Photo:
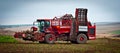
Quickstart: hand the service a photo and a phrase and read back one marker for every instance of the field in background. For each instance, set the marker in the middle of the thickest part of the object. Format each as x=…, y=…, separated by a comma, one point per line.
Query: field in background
x=100, y=45
x=116, y=32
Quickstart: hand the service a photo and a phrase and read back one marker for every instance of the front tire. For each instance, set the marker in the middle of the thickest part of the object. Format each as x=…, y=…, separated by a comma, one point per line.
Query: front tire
x=49, y=38
x=81, y=38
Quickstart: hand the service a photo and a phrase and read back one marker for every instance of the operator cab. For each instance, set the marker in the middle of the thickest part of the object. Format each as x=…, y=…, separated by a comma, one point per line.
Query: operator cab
x=43, y=24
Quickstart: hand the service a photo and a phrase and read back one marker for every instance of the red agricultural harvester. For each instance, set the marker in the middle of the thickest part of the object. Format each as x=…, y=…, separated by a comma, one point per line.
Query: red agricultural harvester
x=66, y=28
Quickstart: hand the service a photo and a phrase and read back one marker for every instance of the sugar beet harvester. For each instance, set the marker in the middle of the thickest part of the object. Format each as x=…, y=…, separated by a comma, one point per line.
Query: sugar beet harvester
x=66, y=28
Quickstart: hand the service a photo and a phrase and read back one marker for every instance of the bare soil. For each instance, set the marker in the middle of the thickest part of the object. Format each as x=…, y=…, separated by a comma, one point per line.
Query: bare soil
x=105, y=30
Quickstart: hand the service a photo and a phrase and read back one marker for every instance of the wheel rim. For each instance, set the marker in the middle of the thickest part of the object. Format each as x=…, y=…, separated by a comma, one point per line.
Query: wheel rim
x=81, y=38
x=50, y=39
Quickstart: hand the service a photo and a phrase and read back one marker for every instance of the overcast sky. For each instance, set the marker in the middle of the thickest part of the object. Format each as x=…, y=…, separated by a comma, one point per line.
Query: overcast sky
x=27, y=11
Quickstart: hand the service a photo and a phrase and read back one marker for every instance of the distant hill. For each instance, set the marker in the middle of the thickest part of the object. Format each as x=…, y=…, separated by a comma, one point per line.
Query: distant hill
x=11, y=26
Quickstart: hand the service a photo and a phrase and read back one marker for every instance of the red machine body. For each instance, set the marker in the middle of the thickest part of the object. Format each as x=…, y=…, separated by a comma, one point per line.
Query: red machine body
x=67, y=28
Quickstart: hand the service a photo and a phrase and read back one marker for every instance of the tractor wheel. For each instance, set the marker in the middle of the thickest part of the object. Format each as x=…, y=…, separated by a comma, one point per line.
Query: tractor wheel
x=49, y=38
x=81, y=38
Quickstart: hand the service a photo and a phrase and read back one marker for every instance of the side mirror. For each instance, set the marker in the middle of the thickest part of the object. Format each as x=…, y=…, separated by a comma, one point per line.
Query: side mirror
x=34, y=23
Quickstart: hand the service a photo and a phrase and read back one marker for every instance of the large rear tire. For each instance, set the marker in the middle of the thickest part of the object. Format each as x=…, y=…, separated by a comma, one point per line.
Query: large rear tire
x=49, y=38
x=81, y=38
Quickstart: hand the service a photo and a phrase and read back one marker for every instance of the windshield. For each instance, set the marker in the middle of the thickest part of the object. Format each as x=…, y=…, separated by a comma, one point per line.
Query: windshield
x=42, y=25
